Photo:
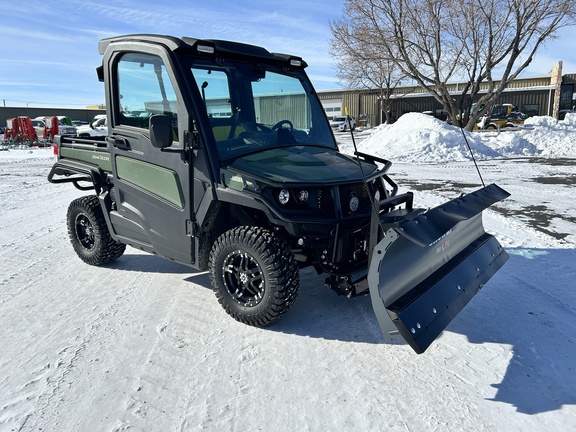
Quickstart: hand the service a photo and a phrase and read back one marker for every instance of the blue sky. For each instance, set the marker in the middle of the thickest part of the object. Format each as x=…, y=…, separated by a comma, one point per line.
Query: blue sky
x=49, y=50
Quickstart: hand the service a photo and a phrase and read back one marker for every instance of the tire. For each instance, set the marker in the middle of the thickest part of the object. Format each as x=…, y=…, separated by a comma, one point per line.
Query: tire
x=254, y=275
x=89, y=233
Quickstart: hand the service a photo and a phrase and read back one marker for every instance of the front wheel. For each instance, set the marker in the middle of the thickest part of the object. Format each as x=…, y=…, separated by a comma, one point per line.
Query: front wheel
x=254, y=275
x=89, y=233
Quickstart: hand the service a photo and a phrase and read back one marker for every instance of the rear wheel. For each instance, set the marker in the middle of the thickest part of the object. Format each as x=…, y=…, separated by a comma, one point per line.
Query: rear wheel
x=254, y=275
x=89, y=233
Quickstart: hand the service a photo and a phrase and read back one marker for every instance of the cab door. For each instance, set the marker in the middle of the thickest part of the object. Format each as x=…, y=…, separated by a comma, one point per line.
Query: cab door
x=151, y=185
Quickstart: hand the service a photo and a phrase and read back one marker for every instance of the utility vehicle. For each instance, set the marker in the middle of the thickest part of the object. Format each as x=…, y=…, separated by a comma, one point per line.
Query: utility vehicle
x=219, y=156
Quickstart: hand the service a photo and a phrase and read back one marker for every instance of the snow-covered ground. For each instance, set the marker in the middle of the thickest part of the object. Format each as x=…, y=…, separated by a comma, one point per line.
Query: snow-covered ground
x=143, y=345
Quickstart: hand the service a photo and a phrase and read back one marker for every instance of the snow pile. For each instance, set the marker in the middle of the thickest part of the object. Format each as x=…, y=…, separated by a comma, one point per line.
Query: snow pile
x=552, y=138
x=422, y=138
x=418, y=137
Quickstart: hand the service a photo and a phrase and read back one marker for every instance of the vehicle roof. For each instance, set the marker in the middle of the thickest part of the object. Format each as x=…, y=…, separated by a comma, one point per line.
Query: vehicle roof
x=225, y=47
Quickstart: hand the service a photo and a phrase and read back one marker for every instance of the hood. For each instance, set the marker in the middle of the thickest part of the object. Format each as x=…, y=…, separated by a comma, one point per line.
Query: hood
x=301, y=164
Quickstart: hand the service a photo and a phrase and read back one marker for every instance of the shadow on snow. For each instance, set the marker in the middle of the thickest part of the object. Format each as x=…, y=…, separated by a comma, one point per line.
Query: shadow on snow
x=530, y=304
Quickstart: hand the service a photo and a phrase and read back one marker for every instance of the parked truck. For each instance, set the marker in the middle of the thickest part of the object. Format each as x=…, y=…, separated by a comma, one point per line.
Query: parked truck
x=219, y=156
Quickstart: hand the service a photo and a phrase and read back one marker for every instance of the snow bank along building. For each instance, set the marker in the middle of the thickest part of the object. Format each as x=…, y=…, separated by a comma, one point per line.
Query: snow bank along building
x=544, y=95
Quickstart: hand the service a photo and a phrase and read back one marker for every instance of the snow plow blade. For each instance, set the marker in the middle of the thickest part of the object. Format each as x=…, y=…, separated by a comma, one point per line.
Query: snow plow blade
x=429, y=266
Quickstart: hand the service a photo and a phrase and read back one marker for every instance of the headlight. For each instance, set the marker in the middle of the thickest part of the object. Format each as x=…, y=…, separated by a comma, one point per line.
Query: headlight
x=354, y=203
x=284, y=196
x=251, y=185
x=303, y=196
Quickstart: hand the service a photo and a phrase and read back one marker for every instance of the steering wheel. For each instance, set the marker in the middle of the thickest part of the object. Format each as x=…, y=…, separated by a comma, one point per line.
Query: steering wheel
x=283, y=122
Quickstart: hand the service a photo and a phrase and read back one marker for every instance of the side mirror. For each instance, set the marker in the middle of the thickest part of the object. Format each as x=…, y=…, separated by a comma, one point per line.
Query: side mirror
x=160, y=130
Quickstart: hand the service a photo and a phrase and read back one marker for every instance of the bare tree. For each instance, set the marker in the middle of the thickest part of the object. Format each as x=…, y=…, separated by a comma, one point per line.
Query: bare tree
x=360, y=68
x=434, y=42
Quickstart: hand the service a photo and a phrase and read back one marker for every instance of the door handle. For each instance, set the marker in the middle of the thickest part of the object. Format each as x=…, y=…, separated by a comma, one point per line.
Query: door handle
x=118, y=142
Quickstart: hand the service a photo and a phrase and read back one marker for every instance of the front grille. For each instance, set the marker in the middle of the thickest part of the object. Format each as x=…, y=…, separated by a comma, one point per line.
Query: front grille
x=358, y=190
x=324, y=200
x=329, y=201
x=319, y=200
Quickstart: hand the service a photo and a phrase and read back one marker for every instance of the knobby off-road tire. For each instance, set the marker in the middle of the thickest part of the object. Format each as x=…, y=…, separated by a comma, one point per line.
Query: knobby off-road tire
x=254, y=275
x=89, y=233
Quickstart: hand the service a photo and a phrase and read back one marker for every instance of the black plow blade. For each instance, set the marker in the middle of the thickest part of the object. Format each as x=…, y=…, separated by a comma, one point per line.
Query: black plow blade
x=426, y=270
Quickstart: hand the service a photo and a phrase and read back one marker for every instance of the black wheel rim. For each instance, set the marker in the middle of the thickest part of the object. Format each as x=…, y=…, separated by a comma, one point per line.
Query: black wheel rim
x=243, y=278
x=85, y=231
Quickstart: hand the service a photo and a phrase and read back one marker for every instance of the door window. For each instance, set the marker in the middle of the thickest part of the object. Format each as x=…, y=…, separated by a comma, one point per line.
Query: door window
x=145, y=89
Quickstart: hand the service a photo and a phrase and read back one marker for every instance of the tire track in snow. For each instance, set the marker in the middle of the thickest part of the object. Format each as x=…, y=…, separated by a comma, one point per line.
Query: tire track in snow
x=21, y=268
x=22, y=225
x=38, y=402
x=178, y=355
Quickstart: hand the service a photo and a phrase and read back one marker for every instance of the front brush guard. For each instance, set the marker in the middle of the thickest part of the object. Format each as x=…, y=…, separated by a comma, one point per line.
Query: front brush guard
x=426, y=269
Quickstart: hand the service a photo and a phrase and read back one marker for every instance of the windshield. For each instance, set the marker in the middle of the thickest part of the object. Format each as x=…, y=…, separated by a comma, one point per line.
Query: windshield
x=251, y=108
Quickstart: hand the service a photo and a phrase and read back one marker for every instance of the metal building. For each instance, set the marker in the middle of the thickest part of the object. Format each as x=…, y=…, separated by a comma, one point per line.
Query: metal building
x=532, y=96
